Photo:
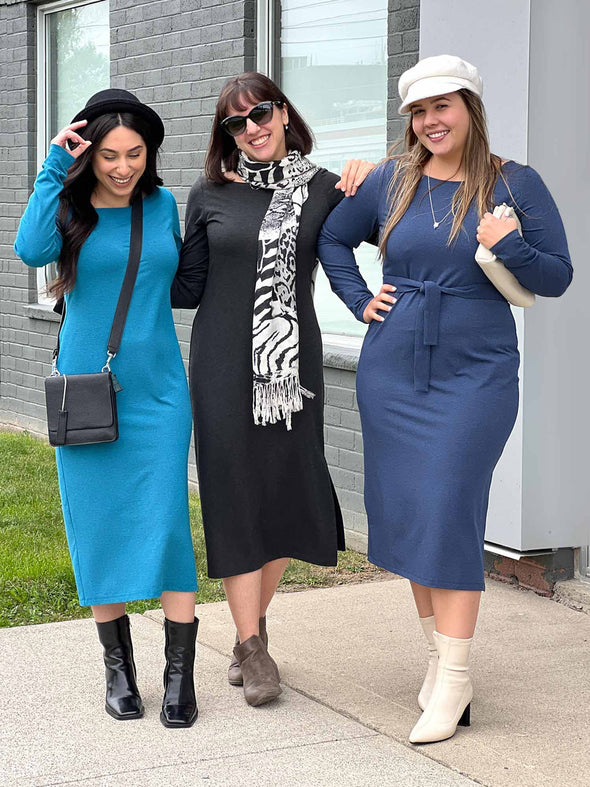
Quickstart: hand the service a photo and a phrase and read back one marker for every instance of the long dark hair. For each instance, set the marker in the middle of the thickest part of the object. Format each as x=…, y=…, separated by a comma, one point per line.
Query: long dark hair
x=76, y=216
x=249, y=87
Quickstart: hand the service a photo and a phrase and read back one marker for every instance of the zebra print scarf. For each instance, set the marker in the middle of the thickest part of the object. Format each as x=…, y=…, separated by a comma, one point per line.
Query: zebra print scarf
x=277, y=393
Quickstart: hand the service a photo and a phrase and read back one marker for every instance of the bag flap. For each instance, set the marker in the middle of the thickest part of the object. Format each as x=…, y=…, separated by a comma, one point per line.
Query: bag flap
x=90, y=400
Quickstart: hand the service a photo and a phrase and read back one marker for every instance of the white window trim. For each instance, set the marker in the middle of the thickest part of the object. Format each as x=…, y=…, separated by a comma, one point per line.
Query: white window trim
x=43, y=134
x=265, y=48
x=265, y=62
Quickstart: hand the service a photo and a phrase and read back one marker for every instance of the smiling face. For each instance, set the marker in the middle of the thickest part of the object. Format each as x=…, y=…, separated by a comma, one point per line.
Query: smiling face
x=265, y=142
x=442, y=125
x=118, y=163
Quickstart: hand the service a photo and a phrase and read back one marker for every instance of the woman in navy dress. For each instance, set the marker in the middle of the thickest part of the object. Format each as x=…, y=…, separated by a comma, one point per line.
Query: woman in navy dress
x=437, y=377
x=125, y=504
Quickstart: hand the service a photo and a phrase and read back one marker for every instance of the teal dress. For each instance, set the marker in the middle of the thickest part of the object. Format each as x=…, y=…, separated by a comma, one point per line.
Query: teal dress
x=125, y=504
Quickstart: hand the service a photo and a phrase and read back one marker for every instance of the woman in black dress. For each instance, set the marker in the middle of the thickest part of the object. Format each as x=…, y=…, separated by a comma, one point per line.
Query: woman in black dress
x=256, y=363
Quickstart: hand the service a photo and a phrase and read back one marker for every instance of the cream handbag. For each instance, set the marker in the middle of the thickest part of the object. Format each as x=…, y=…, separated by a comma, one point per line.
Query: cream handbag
x=502, y=279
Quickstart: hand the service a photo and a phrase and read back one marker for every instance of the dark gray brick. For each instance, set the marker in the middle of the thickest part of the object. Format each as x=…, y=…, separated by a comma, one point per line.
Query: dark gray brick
x=350, y=419
x=344, y=479
x=332, y=415
x=351, y=501
x=339, y=397
x=340, y=438
x=350, y=460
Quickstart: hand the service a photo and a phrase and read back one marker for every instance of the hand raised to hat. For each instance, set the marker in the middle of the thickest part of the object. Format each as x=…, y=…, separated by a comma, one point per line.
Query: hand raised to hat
x=70, y=141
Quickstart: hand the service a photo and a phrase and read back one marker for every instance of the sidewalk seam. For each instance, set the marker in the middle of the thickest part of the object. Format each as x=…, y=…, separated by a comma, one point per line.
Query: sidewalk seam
x=364, y=724
x=233, y=756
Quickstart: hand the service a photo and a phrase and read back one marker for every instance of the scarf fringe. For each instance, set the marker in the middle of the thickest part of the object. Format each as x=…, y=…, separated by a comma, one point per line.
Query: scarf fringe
x=278, y=399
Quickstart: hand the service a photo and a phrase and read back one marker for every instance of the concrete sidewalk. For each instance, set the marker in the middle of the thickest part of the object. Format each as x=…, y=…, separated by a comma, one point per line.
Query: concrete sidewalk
x=353, y=658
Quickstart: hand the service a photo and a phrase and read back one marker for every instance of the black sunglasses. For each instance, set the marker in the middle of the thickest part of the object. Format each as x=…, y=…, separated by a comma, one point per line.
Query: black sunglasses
x=260, y=114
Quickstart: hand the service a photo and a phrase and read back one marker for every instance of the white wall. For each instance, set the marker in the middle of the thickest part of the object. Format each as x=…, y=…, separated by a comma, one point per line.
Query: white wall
x=556, y=462
x=495, y=38
x=535, y=63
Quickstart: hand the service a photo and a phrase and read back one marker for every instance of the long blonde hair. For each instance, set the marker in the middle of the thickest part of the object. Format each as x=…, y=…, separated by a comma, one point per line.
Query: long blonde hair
x=481, y=169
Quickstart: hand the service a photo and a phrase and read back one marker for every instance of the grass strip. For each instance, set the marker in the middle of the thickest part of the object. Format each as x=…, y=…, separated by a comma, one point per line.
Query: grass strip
x=36, y=578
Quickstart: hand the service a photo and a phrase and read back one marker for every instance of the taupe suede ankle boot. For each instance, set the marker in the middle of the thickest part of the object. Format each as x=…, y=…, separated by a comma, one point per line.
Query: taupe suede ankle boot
x=259, y=672
x=234, y=673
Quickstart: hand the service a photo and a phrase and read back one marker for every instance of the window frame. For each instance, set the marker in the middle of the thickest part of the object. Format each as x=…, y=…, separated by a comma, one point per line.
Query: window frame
x=43, y=87
x=267, y=62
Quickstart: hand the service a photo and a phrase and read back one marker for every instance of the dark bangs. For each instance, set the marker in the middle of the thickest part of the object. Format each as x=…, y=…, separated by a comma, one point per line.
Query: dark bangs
x=237, y=93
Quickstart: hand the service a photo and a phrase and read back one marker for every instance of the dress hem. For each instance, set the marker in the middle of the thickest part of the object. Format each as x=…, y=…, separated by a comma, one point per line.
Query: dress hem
x=136, y=596
x=429, y=583
x=260, y=564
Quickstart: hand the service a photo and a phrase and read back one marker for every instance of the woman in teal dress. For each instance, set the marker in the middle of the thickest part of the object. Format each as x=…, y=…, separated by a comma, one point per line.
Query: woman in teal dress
x=125, y=504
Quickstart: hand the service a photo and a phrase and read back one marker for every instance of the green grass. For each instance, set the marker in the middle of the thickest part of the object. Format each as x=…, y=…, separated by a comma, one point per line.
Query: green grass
x=36, y=578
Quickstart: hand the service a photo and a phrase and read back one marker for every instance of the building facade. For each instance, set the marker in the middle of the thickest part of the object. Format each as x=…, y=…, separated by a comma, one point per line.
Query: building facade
x=339, y=63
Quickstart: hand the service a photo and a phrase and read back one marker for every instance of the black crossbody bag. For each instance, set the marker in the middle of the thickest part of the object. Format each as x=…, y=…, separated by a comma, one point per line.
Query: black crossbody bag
x=82, y=408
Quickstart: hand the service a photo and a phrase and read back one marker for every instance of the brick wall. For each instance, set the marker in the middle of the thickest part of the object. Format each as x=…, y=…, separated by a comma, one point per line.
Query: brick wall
x=175, y=55
x=403, y=21
x=24, y=342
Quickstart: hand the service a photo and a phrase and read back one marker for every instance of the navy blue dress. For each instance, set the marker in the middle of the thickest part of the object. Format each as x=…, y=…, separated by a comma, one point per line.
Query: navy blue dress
x=437, y=380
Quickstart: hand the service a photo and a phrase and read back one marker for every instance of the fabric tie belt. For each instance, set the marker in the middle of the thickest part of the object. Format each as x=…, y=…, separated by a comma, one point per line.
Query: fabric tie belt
x=428, y=316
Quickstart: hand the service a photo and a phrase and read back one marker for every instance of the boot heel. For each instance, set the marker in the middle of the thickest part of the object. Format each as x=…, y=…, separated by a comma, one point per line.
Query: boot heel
x=465, y=720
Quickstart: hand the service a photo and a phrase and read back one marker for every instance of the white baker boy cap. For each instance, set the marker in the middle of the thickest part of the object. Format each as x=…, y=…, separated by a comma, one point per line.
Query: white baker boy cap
x=434, y=76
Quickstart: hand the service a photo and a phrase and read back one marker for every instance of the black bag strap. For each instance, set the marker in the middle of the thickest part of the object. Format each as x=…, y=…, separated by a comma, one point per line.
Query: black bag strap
x=120, y=317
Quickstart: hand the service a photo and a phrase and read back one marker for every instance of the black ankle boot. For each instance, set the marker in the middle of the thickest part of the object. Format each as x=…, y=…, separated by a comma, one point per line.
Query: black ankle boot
x=122, y=699
x=179, y=706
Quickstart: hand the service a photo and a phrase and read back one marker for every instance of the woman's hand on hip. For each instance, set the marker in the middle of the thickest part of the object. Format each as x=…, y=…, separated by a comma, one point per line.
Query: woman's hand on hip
x=70, y=141
x=383, y=301
x=354, y=172
x=490, y=229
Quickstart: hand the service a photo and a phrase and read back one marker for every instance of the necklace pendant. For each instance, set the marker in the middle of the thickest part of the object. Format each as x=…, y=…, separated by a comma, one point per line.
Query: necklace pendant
x=435, y=225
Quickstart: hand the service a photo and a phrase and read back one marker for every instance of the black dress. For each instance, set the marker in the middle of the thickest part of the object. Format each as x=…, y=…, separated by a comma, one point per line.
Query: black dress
x=266, y=492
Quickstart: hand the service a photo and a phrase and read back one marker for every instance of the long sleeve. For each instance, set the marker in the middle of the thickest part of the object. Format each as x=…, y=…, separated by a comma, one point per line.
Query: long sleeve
x=176, y=226
x=189, y=283
x=540, y=258
x=39, y=241
x=350, y=223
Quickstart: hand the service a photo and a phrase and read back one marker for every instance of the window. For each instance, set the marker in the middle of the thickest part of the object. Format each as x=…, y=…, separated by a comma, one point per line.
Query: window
x=73, y=56
x=330, y=59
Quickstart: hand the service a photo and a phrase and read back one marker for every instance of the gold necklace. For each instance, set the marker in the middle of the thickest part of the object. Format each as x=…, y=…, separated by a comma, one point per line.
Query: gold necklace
x=436, y=223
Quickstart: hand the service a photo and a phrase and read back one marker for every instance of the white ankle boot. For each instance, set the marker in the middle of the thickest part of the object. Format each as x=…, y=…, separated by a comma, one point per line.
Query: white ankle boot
x=452, y=692
x=428, y=685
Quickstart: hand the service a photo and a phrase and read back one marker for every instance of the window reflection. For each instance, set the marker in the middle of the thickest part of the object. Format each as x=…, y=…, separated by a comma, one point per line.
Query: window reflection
x=78, y=65
x=333, y=60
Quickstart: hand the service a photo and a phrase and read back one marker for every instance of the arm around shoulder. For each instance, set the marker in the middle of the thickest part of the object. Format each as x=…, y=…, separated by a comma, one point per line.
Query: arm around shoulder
x=189, y=283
